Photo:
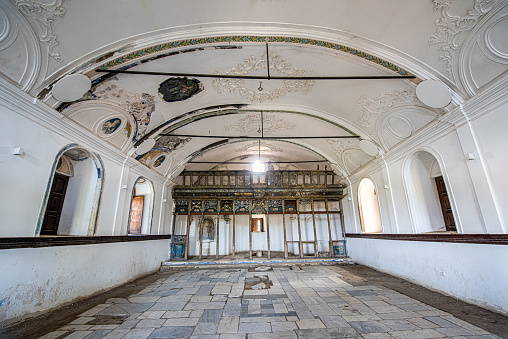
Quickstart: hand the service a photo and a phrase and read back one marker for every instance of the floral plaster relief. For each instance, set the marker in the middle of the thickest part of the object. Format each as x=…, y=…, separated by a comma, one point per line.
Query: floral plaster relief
x=44, y=14
x=450, y=28
x=252, y=124
x=278, y=65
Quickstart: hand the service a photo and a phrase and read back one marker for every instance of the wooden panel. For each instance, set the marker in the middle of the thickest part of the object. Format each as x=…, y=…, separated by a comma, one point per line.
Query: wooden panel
x=55, y=204
x=446, y=208
x=136, y=214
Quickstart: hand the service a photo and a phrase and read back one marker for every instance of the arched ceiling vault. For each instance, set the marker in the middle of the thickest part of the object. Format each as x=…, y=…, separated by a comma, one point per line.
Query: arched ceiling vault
x=323, y=38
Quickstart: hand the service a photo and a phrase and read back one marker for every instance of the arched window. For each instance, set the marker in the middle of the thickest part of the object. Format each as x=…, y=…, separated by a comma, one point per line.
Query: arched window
x=73, y=194
x=140, y=218
x=430, y=205
x=369, y=209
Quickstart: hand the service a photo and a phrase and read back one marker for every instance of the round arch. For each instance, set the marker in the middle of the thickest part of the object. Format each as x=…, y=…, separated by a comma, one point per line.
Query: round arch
x=73, y=193
x=141, y=207
x=369, y=207
x=431, y=202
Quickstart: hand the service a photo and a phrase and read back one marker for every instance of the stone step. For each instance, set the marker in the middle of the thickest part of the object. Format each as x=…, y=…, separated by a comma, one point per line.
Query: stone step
x=256, y=262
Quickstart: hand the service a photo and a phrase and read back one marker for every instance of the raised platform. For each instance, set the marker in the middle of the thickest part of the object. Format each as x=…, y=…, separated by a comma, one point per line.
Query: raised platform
x=257, y=262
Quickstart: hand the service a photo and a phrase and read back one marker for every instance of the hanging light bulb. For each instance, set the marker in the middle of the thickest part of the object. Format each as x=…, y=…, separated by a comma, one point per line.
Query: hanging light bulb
x=258, y=166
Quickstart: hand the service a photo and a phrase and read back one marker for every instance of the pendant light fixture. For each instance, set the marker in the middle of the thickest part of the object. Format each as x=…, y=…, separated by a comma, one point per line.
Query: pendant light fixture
x=259, y=166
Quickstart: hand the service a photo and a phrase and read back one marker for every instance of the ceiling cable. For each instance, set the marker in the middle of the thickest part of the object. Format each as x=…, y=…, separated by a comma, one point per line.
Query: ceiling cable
x=257, y=77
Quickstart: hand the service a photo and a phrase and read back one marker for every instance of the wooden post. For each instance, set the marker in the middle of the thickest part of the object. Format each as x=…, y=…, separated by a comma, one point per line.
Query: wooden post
x=187, y=233
x=342, y=226
x=217, y=230
x=284, y=229
x=316, y=253
x=329, y=229
x=267, y=203
x=234, y=228
x=201, y=231
x=300, y=244
x=250, y=229
x=173, y=229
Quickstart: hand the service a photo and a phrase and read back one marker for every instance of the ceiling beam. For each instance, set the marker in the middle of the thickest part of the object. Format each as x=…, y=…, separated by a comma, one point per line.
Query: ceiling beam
x=250, y=163
x=258, y=77
x=260, y=137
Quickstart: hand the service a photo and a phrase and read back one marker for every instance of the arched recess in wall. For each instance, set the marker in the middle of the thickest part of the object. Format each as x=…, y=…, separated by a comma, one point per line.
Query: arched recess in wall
x=140, y=214
x=73, y=194
x=369, y=208
x=427, y=194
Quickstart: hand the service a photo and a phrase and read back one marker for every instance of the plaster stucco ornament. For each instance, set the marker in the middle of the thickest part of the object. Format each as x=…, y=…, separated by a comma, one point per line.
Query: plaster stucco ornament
x=375, y=108
x=252, y=122
x=44, y=14
x=450, y=27
x=277, y=65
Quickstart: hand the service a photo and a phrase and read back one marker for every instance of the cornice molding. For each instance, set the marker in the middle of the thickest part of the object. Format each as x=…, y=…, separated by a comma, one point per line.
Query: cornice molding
x=25, y=105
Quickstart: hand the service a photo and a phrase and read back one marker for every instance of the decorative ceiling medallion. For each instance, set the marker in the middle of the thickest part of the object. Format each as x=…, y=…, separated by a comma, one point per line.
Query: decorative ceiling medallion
x=376, y=107
x=111, y=125
x=277, y=65
x=159, y=161
x=252, y=124
x=450, y=27
x=177, y=89
x=139, y=105
x=253, y=147
x=44, y=15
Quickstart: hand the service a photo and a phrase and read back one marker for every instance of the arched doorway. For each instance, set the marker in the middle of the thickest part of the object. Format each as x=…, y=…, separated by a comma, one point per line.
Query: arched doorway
x=429, y=201
x=73, y=194
x=140, y=216
x=369, y=208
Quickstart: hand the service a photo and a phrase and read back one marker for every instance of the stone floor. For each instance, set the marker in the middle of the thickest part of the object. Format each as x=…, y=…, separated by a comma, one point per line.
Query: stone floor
x=278, y=302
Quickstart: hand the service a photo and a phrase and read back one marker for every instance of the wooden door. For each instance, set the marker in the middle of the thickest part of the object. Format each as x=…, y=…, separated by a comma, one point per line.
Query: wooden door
x=55, y=204
x=136, y=214
x=445, y=204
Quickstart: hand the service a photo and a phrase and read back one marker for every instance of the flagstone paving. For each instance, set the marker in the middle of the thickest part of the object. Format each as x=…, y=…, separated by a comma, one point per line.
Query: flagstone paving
x=288, y=302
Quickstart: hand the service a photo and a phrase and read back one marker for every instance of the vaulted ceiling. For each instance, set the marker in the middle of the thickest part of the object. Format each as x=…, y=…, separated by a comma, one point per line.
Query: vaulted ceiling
x=442, y=40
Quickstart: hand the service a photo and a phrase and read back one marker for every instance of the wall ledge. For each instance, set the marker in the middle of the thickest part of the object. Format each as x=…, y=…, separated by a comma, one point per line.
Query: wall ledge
x=491, y=239
x=51, y=241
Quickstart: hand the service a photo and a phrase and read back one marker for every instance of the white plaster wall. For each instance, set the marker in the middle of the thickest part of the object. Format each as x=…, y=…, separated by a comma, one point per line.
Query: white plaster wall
x=24, y=178
x=493, y=143
x=476, y=273
x=35, y=283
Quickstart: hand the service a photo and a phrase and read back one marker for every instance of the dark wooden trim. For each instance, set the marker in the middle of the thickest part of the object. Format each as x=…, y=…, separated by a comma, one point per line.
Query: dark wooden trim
x=492, y=239
x=34, y=242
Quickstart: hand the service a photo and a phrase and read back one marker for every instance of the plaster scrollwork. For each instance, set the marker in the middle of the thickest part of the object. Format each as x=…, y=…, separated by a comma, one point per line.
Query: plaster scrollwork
x=450, y=27
x=253, y=147
x=278, y=65
x=139, y=105
x=44, y=15
x=252, y=124
x=375, y=108
x=341, y=145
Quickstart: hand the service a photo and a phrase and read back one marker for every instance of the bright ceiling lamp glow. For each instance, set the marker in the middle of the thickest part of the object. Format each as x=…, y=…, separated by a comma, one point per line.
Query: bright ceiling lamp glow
x=258, y=166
